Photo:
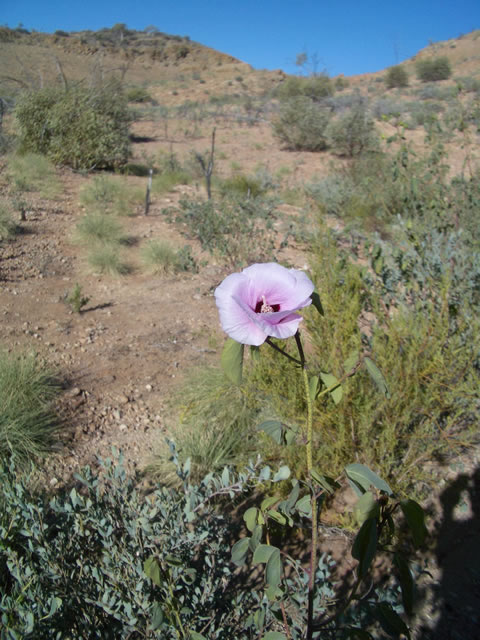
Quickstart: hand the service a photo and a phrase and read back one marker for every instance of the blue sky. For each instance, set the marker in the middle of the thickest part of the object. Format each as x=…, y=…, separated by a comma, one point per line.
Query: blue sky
x=350, y=36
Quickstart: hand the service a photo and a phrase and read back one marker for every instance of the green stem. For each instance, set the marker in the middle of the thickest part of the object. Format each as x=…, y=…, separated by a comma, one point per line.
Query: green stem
x=314, y=543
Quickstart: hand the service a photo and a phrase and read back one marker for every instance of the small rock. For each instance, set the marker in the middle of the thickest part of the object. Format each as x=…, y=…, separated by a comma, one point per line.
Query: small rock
x=123, y=399
x=76, y=391
x=123, y=427
x=148, y=387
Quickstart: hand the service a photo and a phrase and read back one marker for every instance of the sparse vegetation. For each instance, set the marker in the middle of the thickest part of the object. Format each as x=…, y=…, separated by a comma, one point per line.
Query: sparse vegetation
x=159, y=256
x=106, y=259
x=100, y=228
x=76, y=299
x=32, y=172
x=352, y=132
x=8, y=227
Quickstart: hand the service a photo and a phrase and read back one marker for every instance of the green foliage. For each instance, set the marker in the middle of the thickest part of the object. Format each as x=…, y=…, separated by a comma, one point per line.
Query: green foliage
x=32, y=172
x=242, y=185
x=138, y=94
x=160, y=257
x=8, y=227
x=433, y=69
x=108, y=194
x=227, y=227
x=216, y=424
x=352, y=132
x=104, y=561
x=99, y=228
x=396, y=76
x=76, y=299
x=315, y=87
x=301, y=124
x=27, y=420
x=80, y=128
x=106, y=258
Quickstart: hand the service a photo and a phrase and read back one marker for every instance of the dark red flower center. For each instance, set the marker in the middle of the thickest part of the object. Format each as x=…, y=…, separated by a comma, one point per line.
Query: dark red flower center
x=262, y=306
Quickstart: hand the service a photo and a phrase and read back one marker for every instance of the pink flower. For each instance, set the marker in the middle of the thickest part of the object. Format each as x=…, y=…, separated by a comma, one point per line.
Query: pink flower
x=261, y=301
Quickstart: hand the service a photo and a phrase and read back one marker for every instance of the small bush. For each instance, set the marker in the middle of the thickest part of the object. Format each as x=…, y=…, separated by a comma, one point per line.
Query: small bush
x=353, y=132
x=106, y=259
x=33, y=172
x=99, y=227
x=433, y=69
x=77, y=300
x=111, y=195
x=138, y=94
x=28, y=423
x=242, y=185
x=159, y=256
x=314, y=87
x=301, y=125
x=80, y=128
x=396, y=77
x=8, y=227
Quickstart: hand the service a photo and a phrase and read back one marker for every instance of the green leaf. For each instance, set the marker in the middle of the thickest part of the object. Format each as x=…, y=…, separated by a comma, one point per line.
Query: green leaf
x=312, y=387
x=282, y=474
x=268, y=502
x=250, y=518
x=277, y=516
x=196, y=636
x=377, y=376
x=232, y=360
x=290, y=434
x=239, y=551
x=317, y=303
x=273, y=569
x=272, y=428
x=273, y=593
x=363, y=477
x=152, y=570
x=157, y=616
x=365, y=546
x=415, y=517
x=390, y=621
x=256, y=538
x=274, y=635
x=263, y=553
x=173, y=561
x=406, y=582
x=304, y=506
x=329, y=380
x=366, y=507
x=328, y=484
x=351, y=362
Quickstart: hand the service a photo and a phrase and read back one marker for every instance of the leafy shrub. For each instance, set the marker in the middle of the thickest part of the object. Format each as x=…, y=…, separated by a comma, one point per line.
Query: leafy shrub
x=301, y=125
x=81, y=128
x=242, y=185
x=353, y=132
x=315, y=87
x=385, y=107
x=433, y=69
x=27, y=420
x=226, y=228
x=76, y=565
x=396, y=76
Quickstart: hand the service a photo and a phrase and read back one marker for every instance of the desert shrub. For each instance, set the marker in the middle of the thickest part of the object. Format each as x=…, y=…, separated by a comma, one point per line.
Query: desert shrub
x=8, y=227
x=423, y=113
x=138, y=94
x=33, y=172
x=301, y=125
x=242, y=185
x=385, y=107
x=99, y=228
x=353, y=132
x=315, y=87
x=28, y=423
x=106, y=258
x=81, y=128
x=433, y=69
x=111, y=195
x=76, y=565
x=435, y=92
x=396, y=76
x=160, y=257
x=227, y=227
